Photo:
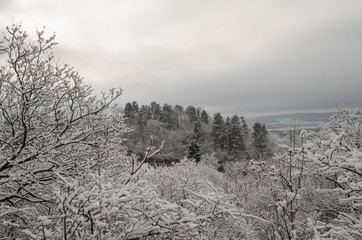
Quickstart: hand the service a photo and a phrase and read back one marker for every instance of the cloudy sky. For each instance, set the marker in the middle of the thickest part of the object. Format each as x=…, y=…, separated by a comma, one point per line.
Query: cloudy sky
x=249, y=57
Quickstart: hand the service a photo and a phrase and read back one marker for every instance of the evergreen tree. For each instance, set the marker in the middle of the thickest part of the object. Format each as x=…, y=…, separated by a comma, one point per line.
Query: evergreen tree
x=226, y=134
x=179, y=108
x=143, y=116
x=197, y=130
x=155, y=111
x=135, y=108
x=217, y=131
x=244, y=127
x=128, y=110
x=260, y=136
x=205, y=117
x=192, y=113
x=194, y=150
x=167, y=115
x=236, y=134
x=131, y=110
x=198, y=112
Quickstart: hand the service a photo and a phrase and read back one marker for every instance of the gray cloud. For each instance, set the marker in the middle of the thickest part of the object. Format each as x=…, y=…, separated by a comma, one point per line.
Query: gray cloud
x=244, y=57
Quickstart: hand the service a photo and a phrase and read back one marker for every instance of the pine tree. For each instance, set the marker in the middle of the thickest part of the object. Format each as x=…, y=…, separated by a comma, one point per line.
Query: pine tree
x=155, y=111
x=143, y=116
x=226, y=134
x=131, y=110
x=244, y=127
x=167, y=115
x=205, y=117
x=217, y=131
x=236, y=135
x=198, y=131
x=194, y=150
x=135, y=108
x=191, y=113
x=260, y=136
x=128, y=110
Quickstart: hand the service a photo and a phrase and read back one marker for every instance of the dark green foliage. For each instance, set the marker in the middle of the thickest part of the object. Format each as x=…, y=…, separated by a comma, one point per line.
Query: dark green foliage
x=217, y=132
x=236, y=135
x=128, y=110
x=131, y=110
x=155, y=110
x=143, y=116
x=178, y=108
x=260, y=136
x=204, y=117
x=197, y=130
x=189, y=132
x=244, y=127
x=167, y=115
x=227, y=134
x=194, y=150
x=135, y=107
x=192, y=113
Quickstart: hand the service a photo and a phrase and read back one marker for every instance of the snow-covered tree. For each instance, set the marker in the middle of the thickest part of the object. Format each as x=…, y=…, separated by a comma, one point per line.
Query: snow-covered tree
x=50, y=125
x=204, y=117
x=337, y=152
x=292, y=175
x=218, y=131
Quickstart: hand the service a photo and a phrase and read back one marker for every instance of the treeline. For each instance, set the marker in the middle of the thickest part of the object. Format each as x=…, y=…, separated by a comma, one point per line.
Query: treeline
x=191, y=132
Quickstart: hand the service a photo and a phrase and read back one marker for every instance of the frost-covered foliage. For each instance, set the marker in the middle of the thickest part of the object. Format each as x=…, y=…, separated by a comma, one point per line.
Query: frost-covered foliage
x=337, y=152
x=320, y=179
x=294, y=178
x=198, y=188
x=50, y=125
x=65, y=174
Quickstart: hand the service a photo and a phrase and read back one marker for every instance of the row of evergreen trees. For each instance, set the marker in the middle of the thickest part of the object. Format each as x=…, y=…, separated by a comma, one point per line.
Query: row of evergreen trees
x=192, y=132
x=172, y=117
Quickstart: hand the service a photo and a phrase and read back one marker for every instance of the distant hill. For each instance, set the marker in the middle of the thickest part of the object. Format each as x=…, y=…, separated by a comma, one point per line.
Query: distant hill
x=286, y=121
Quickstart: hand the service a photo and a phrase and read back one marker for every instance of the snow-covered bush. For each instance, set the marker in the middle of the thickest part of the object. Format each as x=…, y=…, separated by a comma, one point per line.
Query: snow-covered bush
x=337, y=152
x=198, y=188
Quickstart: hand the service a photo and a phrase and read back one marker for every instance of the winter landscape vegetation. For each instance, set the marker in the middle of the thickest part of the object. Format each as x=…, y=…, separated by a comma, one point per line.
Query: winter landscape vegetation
x=73, y=165
x=180, y=120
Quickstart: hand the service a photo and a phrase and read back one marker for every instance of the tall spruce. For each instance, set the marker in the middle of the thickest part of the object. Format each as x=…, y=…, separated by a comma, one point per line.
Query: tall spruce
x=192, y=113
x=167, y=116
x=205, y=117
x=217, y=131
x=236, y=135
x=226, y=134
x=155, y=110
x=194, y=148
x=244, y=127
x=260, y=136
x=128, y=112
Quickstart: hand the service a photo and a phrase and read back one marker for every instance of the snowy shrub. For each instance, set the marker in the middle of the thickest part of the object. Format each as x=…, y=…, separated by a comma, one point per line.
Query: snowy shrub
x=192, y=187
x=337, y=152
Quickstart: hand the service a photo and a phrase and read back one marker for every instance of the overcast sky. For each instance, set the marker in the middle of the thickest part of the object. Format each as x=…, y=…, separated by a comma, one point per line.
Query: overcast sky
x=249, y=57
